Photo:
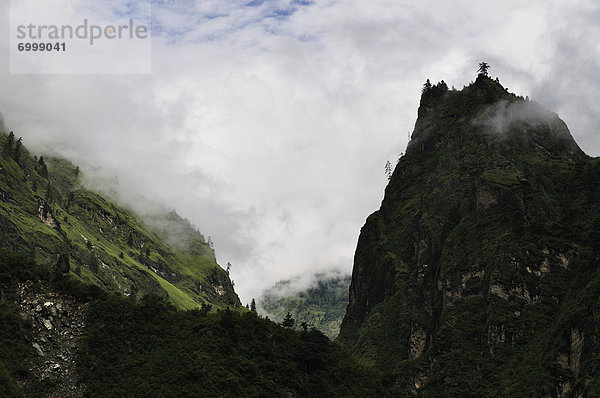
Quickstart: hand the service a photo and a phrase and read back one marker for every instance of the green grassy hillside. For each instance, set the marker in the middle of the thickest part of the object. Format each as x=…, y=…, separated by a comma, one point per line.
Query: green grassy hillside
x=47, y=212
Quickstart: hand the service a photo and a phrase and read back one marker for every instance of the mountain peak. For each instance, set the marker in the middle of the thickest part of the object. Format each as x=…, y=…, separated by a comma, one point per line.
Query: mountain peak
x=483, y=90
x=486, y=240
x=486, y=111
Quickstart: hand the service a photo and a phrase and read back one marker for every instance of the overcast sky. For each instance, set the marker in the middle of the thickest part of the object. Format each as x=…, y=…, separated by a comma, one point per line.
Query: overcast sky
x=268, y=123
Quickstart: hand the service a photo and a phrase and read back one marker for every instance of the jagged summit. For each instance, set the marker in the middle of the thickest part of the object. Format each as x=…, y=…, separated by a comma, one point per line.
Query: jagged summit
x=478, y=274
x=482, y=91
x=490, y=109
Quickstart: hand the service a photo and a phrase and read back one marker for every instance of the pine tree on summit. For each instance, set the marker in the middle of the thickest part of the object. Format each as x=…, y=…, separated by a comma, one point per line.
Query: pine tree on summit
x=427, y=86
x=483, y=68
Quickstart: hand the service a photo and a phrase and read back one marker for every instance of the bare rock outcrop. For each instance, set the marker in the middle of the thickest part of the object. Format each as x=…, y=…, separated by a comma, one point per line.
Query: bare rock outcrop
x=57, y=322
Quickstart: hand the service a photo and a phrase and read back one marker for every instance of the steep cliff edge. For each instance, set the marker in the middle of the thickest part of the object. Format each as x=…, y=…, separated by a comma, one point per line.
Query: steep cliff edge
x=479, y=273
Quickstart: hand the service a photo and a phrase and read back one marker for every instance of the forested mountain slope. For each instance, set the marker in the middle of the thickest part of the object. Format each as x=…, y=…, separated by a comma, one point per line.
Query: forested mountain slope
x=46, y=211
x=62, y=338
x=321, y=306
x=480, y=273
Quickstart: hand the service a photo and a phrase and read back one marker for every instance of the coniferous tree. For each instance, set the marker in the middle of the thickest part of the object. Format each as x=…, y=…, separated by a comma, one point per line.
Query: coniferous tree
x=48, y=192
x=94, y=263
x=388, y=170
x=45, y=211
x=62, y=264
x=253, y=306
x=70, y=199
x=8, y=145
x=130, y=238
x=427, y=85
x=483, y=68
x=42, y=168
x=17, y=151
x=288, y=321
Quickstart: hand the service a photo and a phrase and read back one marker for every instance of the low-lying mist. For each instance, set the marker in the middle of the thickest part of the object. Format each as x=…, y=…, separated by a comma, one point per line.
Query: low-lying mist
x=503, y=115
x=289, y=287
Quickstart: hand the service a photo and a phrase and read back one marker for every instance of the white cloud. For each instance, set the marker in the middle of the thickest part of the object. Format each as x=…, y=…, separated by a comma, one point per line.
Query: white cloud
x=270, y=132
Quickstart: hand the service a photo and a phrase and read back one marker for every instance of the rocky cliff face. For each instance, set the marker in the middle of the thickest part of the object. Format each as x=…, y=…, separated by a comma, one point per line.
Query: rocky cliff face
x=477, y=274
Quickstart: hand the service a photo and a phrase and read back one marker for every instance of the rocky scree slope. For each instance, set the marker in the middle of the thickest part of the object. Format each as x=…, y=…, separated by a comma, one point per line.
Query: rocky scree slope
x=480, y=273
x=57, y=322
